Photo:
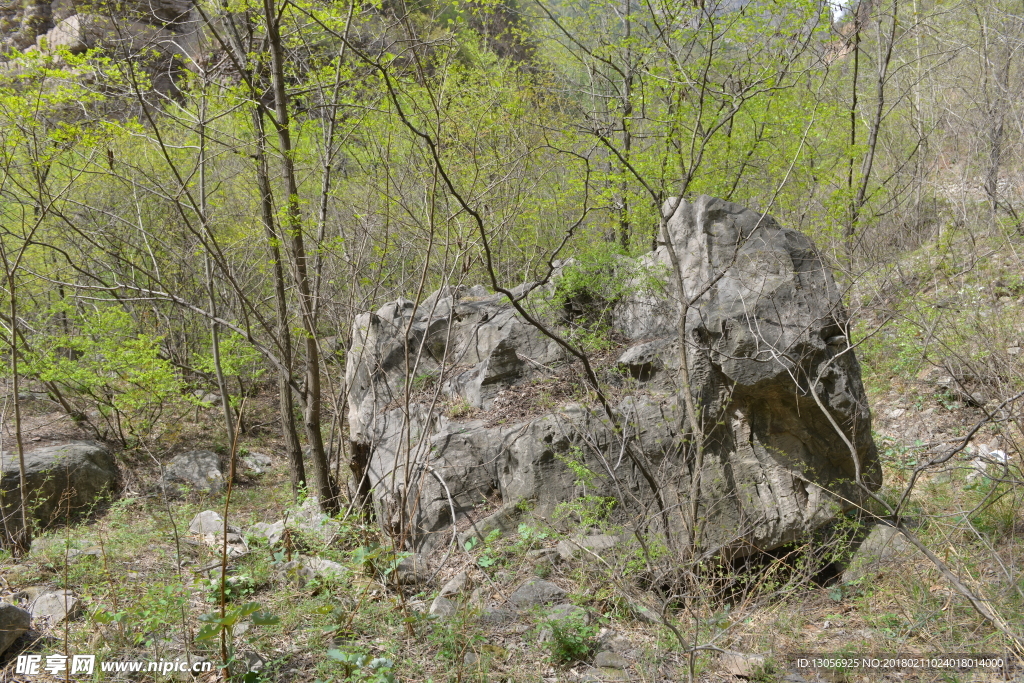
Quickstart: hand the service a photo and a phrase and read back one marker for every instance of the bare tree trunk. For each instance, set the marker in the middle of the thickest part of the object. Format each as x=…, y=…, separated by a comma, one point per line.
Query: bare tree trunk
x=323, y=484
x=284, y=389
x=18, y=540
x=225, y=398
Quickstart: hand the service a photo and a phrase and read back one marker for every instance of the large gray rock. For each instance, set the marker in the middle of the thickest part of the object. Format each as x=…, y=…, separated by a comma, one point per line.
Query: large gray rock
x=765, y=335
x=536, y=592
x=197, y=469
x=61, y=480
x=14, y=621
x=51, y=608
x=883, y=546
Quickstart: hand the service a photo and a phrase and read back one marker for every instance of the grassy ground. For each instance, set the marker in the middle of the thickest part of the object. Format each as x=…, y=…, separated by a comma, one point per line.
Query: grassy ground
x=941, y=352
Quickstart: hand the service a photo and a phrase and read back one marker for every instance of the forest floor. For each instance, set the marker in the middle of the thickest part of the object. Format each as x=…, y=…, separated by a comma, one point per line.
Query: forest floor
x=150, y=591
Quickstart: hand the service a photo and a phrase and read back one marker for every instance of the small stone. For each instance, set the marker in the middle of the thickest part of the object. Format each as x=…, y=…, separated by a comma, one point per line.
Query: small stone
x=604, y=675
x=14, y=621
x=496, y=617
x=1013, y=350
x=570, y=548
x=54, y=607
x=740, y=664
x=413, y=570
x=198, y=469
x=610, y=660
x=644, y=613
x=455, y=585
x=536, y=592
x=442, y=607
x=569, y=614
x=208, y=522
x=271, y=533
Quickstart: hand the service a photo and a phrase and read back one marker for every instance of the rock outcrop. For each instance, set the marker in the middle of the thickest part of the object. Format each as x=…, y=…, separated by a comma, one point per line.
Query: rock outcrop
x=61, y=480
x=23, y=23
x=436, y=392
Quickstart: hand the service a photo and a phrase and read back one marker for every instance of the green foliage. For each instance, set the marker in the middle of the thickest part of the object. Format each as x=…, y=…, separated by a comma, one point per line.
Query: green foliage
x=362, y=668
x=377, y=560
x=105, y=365
x=587, y=509
x=588, y=288
x=157, y=609
x=572, y=640
x=488, y=556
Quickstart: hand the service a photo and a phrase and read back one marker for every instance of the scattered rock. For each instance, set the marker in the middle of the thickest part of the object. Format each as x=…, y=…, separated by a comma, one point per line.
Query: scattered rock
x=257, y=463
x=270, y=533
x=568, y=614
x=644, y=613
x=491, y=616
x=14, y=621
x=504, y=520
x=610, y=660
x=455, y=585
x=569, y=548
x=883, y=545
x=304, y=569
x=604, y=675
x=536, y=592
x=199, y=469
x=413, y=570
x=51, y=608
x=442, y=607
x=61, y=481
x=740, y=664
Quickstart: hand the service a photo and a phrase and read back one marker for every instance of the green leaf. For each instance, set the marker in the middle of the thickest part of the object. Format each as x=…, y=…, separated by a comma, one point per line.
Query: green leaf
x=265, y=619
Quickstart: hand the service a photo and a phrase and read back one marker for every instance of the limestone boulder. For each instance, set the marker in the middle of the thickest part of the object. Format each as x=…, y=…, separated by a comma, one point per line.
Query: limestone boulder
x=14, y=622
x=770, y=368
x=62, y=481
x=200, y=470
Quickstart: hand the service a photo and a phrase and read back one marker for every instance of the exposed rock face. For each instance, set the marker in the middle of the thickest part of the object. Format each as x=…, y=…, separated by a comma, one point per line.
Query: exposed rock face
x=14, y=621
x=198, y=469
x=159, y=34
x=61, y=480
x=21, y=23
x=765, y=328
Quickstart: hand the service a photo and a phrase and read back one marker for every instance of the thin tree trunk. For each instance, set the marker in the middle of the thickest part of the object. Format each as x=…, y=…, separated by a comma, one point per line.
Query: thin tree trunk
x=20, y=539
x=323, y=483
x=210, y=290
x=284, y=389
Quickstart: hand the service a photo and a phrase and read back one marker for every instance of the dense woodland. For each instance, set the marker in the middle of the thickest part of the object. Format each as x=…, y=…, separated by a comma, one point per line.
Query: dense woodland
x=176, y=224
